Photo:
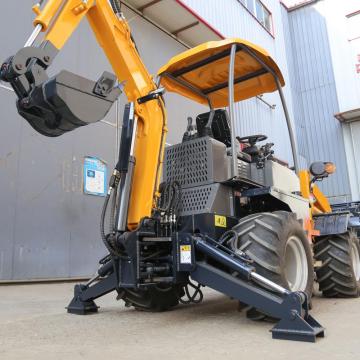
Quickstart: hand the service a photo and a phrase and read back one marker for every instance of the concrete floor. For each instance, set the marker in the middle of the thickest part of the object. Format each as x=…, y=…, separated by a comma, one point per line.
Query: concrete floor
x=34, y=325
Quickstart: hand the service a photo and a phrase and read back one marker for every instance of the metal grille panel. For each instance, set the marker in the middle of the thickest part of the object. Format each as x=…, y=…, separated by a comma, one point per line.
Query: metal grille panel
x=188, y=163
x=195, y=200
x=213, y=198
x=243, y=169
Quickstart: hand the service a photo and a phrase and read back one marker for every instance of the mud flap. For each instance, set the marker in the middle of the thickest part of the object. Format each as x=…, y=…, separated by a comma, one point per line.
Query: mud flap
x=332, y=223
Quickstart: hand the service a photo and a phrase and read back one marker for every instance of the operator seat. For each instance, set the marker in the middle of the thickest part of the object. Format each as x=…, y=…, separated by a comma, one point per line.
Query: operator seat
x=220, y=130
x=219, y=126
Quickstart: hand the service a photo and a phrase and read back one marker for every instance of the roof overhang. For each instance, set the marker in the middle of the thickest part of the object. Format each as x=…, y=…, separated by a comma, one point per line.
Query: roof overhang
x=292, y=5
x=348, y=116
x=176, y=19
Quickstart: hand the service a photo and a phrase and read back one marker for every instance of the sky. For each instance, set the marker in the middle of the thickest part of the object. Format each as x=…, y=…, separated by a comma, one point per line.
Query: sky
x=350, y=5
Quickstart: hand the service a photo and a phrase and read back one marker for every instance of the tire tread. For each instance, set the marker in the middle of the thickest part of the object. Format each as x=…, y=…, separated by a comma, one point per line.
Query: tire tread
x=335, y=253
x=263, y=237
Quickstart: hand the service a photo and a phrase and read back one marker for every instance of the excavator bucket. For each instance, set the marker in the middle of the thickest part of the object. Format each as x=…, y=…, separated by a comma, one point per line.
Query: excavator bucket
x=56, y=105
x=66, y=102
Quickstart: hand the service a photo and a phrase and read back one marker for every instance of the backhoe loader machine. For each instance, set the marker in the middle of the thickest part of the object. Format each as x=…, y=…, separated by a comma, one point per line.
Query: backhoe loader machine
x=228, y=214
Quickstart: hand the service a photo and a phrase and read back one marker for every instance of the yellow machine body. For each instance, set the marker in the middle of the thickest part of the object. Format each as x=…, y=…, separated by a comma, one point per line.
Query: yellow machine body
x=318, y=201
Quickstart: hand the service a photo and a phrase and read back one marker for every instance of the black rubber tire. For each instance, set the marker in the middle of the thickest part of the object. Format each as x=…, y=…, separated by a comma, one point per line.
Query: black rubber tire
x=336, y=276
x=154, y=299
x=263, y=237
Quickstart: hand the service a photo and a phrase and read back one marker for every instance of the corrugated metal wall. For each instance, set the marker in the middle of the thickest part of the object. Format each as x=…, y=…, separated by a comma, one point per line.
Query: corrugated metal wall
x=49, y=228
x=314, y=93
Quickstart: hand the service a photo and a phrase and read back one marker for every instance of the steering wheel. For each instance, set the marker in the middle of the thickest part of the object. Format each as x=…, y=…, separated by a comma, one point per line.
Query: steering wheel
x=252, y=140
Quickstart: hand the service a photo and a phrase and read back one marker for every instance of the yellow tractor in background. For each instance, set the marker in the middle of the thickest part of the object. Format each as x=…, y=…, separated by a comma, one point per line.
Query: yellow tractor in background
x=226, y=213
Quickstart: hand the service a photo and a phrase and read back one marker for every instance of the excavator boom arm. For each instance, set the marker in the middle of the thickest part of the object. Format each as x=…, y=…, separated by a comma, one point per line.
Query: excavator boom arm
x=63, y=103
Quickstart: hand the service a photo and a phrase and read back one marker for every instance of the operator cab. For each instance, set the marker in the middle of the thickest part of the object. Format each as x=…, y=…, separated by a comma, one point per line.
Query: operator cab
x=219, y=74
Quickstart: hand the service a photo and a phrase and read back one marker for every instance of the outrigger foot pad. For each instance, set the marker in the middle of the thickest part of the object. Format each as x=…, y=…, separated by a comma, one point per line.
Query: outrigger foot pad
x=81, y=307
x=298, y=328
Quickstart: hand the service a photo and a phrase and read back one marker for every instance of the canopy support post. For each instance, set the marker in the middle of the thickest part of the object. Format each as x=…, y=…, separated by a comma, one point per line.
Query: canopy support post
x=289, y=126
x=286, y=111
x=232, y=110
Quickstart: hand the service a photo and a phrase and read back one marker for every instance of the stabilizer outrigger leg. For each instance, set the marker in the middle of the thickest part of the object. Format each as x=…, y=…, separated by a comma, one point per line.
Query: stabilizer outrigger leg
x=79, y=305
x=291, y=308
x=84, y=294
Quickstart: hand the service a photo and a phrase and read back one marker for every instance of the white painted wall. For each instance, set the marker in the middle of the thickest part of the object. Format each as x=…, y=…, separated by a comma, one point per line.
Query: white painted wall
x=343, y=52
x=344, y=42
x=351, y=132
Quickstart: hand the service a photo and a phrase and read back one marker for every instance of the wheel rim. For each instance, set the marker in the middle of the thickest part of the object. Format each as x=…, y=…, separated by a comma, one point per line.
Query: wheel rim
x=296, y=266
x=355, y=258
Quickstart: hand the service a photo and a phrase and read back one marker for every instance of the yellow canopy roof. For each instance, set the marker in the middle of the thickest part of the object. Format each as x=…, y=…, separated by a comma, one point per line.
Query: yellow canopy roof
x=206, y=69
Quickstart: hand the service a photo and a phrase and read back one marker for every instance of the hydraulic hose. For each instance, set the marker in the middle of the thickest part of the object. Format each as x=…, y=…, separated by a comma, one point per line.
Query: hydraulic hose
x=170, y=197
x=113, y=210
x=102, y=222
x=112, y=194
x=116, y=6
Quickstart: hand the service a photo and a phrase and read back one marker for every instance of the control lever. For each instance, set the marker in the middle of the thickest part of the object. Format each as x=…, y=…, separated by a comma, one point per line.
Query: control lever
x=191, y=130
x=265, y=153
